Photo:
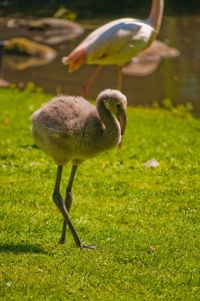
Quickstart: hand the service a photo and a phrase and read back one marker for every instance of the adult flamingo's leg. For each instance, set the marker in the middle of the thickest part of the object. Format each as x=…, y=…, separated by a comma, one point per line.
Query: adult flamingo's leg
x=87, y=84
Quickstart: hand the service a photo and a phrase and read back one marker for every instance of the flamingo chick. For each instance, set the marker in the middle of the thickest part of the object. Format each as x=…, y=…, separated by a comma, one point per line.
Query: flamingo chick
x=69, y=128
x=116, y=43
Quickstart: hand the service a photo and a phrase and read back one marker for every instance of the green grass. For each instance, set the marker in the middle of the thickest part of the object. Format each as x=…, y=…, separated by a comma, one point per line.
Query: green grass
x=145, y=221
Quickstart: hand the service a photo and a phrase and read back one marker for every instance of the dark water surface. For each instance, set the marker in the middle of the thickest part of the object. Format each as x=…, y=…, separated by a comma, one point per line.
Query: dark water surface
x=177, y=78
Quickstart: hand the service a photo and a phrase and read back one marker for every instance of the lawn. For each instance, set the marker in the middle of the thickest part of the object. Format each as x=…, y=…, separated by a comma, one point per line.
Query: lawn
x=145, y=221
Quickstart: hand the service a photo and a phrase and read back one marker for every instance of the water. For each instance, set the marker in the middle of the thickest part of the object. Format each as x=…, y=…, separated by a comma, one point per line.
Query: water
x=177, y=78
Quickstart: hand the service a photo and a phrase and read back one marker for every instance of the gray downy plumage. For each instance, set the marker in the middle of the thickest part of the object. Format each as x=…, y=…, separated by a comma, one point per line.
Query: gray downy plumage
x=69, y=128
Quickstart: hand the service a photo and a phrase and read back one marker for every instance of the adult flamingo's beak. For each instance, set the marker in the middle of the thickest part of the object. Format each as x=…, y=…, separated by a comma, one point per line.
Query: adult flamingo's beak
x=76, y=59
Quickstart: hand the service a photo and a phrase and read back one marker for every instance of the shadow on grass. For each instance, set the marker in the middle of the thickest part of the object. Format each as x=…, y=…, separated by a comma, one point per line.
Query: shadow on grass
x=21, y=248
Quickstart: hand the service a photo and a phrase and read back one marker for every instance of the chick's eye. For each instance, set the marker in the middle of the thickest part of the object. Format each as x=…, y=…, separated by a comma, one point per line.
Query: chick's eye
x=118, y=106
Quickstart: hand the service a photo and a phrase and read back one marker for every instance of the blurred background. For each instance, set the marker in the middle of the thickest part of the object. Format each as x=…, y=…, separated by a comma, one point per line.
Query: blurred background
x=55, y=27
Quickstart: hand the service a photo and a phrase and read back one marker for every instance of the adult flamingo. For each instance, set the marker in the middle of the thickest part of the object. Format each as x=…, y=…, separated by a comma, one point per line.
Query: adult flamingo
x=116, y=43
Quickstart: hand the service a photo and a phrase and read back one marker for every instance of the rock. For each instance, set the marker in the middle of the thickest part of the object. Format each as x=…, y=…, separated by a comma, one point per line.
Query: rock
x=149, y=60
x=55, y=31
x=35, y=54
x=152, y=163
x=4, y=83
x=50, y=30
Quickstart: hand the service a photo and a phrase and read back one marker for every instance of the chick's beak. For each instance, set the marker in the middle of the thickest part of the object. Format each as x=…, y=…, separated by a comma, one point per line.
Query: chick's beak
x=121, y=116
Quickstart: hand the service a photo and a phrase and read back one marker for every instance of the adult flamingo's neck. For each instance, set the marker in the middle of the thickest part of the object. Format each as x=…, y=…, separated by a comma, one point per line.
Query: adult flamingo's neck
x=156, y=14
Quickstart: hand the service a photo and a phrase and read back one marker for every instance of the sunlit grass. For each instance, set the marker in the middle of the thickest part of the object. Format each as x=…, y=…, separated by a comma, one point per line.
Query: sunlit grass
x=144, y=221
